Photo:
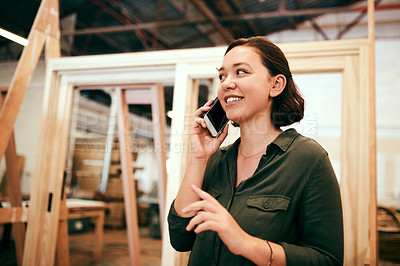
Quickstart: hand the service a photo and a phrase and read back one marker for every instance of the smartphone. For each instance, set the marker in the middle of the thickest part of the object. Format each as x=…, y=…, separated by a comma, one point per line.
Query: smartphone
x=215, y=119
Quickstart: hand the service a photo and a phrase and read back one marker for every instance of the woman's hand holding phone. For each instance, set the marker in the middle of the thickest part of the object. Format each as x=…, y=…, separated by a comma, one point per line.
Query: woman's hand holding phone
x=203, y=145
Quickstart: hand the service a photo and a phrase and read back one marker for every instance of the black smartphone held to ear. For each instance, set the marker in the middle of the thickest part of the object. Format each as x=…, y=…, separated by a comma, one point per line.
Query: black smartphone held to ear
x=216, y=119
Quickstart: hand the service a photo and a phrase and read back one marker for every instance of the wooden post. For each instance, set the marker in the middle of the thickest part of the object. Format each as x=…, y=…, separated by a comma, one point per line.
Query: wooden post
x=373, y=216
x=46, y=189
x=141, y=94
x=62, y=250
x=185, y=91
x=128, y=181
x=160, y=145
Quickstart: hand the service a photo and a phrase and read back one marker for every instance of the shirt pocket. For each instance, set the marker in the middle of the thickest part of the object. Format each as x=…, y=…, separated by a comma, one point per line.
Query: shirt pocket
x=271, y=203
x=215, y=194
x=267, y=214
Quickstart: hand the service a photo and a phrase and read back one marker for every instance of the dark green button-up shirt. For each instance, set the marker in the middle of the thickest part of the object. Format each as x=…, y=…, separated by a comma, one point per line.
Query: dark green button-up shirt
x=292, y=199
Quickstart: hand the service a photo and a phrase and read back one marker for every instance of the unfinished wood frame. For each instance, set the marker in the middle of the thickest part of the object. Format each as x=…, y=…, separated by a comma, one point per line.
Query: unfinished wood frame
x=184, y=68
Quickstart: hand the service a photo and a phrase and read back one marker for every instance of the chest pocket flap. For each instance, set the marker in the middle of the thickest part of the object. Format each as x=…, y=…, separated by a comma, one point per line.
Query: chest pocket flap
x=269, y=203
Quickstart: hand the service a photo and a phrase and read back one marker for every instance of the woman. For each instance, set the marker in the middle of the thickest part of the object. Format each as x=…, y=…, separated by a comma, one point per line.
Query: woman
x=270, y=198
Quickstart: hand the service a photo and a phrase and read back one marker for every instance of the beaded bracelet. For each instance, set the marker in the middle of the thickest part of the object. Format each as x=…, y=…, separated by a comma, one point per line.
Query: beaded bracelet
x=271, y=258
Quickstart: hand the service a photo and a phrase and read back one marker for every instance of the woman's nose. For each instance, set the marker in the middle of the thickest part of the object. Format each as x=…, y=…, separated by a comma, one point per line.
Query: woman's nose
x=228, y=83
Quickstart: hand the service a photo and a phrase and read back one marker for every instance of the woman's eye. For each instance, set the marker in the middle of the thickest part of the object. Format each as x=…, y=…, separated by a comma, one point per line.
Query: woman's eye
x=239, y=72
x=221, y=77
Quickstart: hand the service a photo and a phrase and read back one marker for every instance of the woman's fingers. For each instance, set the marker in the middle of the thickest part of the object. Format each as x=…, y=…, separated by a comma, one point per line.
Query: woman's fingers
x=204, y=108
x=204, y=195
x=202, y=205
x=200, y=121
x=199, y=218
x=209, y=225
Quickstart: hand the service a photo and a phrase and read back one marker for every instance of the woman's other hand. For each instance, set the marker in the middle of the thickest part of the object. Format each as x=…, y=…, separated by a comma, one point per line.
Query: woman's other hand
x=211, y=215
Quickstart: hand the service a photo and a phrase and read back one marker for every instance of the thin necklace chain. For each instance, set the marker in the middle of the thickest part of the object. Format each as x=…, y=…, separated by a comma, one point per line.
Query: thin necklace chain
x=247, y=157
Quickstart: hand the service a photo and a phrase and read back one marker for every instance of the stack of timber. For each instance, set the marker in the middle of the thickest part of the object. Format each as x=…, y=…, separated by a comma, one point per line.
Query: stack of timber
x=88, y=164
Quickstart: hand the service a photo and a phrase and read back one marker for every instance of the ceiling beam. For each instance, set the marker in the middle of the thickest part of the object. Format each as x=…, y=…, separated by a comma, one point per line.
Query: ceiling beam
x=355, y=21
x=247, y=16
x=160, y=40
x=201, y=28
x=106, y=39
x=123, y=20
x=202, y=7
x=251, y=24
x=318, y=29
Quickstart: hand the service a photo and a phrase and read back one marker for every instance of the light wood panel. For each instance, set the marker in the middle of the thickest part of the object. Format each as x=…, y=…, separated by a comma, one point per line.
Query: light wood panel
x=373, y=256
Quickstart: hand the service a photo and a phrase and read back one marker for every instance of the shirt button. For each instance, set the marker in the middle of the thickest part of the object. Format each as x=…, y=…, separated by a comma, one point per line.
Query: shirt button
x=266, y=206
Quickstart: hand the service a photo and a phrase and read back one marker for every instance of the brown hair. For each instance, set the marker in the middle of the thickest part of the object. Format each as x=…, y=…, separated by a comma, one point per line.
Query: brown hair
x=287, y=107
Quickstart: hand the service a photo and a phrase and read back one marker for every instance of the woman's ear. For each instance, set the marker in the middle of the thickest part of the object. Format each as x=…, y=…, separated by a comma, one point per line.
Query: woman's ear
x=279, y=84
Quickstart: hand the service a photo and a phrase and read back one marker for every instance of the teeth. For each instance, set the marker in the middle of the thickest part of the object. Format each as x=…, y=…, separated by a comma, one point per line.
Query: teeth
x=233, y=99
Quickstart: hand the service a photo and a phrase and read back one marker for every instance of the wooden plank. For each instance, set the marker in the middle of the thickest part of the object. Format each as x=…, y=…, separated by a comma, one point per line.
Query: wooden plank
x=160, y=144
x=14, y=185
x=14, y=215
x=62, y=250
x=183, y=104
x=99, y=233
x=134, y=96
x=45, y=199
x=127, y=178
x=354, y=161
x=373, y=216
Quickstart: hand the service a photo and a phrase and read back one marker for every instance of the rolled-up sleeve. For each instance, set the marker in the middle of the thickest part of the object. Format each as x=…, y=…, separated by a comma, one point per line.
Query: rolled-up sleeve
x=181, y=240
x=320, y=222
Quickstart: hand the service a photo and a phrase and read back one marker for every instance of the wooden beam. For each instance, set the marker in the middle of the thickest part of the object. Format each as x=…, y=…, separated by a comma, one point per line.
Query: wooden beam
x=129, y=190
x=160, y=144
x=14, y=185
x=121, y=19
x=318, y=29
x=46, y=191
x=202, y=7
x=165, y=42
x=373, y=216
x=251, y=24
x=14, y=215
x=357, y=20
x=204, y=31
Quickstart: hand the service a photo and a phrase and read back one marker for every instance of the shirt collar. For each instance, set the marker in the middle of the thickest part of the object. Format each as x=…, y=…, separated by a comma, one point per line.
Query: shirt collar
x=285, y=139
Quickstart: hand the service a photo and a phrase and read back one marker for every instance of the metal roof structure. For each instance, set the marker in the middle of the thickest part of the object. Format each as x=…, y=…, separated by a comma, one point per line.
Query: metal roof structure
x=115, y=26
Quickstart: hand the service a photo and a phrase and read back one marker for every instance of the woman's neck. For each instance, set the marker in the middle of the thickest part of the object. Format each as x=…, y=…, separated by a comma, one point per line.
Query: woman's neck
x=254, y=136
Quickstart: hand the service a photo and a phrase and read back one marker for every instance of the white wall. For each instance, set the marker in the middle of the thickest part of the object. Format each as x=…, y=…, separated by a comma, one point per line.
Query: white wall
x=27, y=125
